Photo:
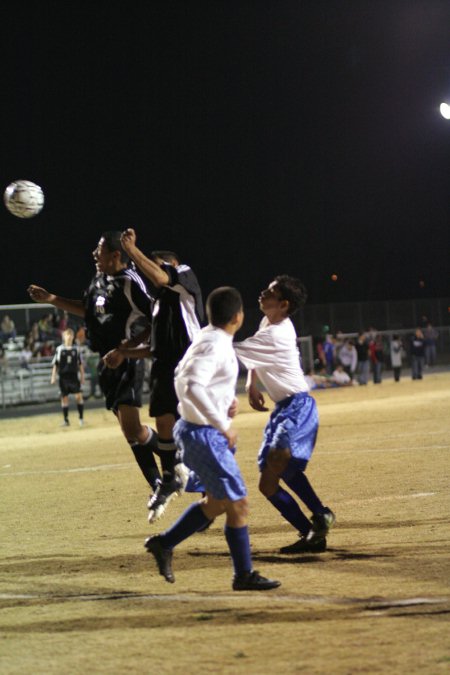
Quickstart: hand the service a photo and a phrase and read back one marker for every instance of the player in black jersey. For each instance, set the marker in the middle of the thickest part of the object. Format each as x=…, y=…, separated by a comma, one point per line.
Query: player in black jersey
x=177, y=317
x=68, y=366
x=115, y=299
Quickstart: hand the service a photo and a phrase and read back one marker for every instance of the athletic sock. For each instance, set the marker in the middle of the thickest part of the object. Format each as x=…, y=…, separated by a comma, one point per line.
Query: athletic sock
x=80, y=407
x=65, y=411
x=239, y=544
x=145, y=458
x=300, y=484
x=186, y=525
x=167, y=451
x=290, y=510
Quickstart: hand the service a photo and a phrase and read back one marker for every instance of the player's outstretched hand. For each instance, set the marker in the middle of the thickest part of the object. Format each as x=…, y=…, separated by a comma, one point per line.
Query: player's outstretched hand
x=39, y=294
x=231, y=436
x=256, y=399
x=128, y=239
x=113, y=358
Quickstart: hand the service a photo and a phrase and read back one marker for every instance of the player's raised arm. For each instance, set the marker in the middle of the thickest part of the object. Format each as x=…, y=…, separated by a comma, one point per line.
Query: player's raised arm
x=150, y=269
x=39, y=294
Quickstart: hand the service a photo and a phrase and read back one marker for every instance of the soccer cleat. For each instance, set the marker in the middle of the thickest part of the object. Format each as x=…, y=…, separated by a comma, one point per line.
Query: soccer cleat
x=253, y=581
x=163, y=557
x=321, y=525
x=164, y=493
x=303, y=545
x=181, y=472
x=81, y=423
x=66, y=423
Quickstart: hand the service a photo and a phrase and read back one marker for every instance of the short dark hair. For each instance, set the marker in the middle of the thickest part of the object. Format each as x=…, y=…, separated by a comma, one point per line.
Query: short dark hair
x=292, y=290
x=167, y=256
x=112, y=243
x=222, y=304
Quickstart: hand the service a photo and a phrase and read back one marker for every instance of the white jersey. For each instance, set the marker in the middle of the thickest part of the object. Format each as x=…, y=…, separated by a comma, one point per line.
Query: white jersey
x=205, y=379
x=273, y=353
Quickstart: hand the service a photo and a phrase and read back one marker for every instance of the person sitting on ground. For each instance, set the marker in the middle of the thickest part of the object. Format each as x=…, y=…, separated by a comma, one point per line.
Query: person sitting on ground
x=340, y=377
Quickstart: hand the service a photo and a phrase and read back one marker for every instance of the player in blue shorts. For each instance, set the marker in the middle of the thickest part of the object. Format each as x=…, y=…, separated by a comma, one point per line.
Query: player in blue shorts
x=271, y=356
x=205, y=381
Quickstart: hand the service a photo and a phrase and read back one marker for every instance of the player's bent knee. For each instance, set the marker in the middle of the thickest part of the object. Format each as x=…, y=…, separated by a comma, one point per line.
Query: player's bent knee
x=278, y=460
x=268, y=482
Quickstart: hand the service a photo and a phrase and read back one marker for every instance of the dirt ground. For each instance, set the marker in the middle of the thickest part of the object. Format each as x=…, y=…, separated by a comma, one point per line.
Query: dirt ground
x=79, y=594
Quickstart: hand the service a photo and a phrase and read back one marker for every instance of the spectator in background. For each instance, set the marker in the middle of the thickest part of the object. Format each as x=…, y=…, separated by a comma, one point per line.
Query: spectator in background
x=376, y=353
x=417, y=354
x=45, y=326
x=340, y=377
x=63, y=323
x=47, y=349
x=396, y=356
x=7, y=329
x=430, y=335
x=362, y=351
x=320, y=353
x=329, y=351
x=34, y=333
x=348, y=358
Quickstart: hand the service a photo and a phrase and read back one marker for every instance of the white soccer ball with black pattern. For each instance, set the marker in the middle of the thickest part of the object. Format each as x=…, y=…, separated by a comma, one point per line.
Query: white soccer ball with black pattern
x=24, y=199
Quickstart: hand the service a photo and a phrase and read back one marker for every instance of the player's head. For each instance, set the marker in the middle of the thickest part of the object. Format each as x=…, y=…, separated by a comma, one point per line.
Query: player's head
x=165, y=256
x=68, y=336
x=224, y=308
x=284, y=296
x=109, y=254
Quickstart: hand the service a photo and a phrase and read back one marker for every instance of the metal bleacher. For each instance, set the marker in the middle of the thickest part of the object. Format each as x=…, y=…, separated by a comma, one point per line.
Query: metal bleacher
x=30, y=384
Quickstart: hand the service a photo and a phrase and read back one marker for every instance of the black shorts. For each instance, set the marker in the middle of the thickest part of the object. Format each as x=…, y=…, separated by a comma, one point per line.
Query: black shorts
x=122, y=385
x=163, y=399
x=69, y=384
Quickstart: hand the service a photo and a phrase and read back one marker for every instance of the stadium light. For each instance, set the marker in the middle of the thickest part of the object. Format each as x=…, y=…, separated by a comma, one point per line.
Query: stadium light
x=445, y=110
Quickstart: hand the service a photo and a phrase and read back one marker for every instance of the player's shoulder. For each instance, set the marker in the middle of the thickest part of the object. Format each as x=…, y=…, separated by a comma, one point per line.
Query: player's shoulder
x=135, y=278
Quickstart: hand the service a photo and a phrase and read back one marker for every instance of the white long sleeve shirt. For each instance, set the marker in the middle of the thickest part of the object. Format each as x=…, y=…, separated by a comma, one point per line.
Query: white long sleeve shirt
x=205, y=379
x=273, y=353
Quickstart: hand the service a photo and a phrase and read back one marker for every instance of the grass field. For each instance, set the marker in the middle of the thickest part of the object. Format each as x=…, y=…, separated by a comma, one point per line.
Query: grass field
x=79, y=594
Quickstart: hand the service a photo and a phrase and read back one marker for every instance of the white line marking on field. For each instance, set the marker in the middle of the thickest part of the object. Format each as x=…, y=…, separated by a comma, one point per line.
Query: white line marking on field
x=355, y=439
x=386, y=450
x=388, y=498
x=192, y=597
x=81, y=469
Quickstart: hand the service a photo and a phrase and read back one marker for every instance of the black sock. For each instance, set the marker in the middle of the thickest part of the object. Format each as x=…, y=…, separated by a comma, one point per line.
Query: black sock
x=303, y=489
x=65, y=411
x=167, y=453
x=80, y=407
x=147, y=464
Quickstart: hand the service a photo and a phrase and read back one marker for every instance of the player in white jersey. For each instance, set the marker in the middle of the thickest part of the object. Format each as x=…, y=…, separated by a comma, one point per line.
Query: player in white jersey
x=68, y=366
x=205, y=381
x=271, y=356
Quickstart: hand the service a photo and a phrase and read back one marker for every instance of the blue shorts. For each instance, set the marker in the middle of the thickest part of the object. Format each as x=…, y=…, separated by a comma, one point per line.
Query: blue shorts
x=293, y=424
x=205, y=451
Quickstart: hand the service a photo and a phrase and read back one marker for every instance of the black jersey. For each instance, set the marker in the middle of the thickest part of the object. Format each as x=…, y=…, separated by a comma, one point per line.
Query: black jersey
x=177, y=314
x=67, y=360
x=114, y=304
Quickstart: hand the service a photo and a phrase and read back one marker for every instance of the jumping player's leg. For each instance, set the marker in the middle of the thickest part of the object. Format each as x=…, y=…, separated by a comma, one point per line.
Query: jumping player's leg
x=142, y=440
x=163, y=406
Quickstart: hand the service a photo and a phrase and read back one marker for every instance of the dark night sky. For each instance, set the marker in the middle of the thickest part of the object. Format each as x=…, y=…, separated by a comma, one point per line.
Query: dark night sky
x=255, y=138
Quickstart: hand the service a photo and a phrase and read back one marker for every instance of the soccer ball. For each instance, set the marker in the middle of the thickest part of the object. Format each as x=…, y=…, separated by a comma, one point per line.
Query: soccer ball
x=23, y=198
